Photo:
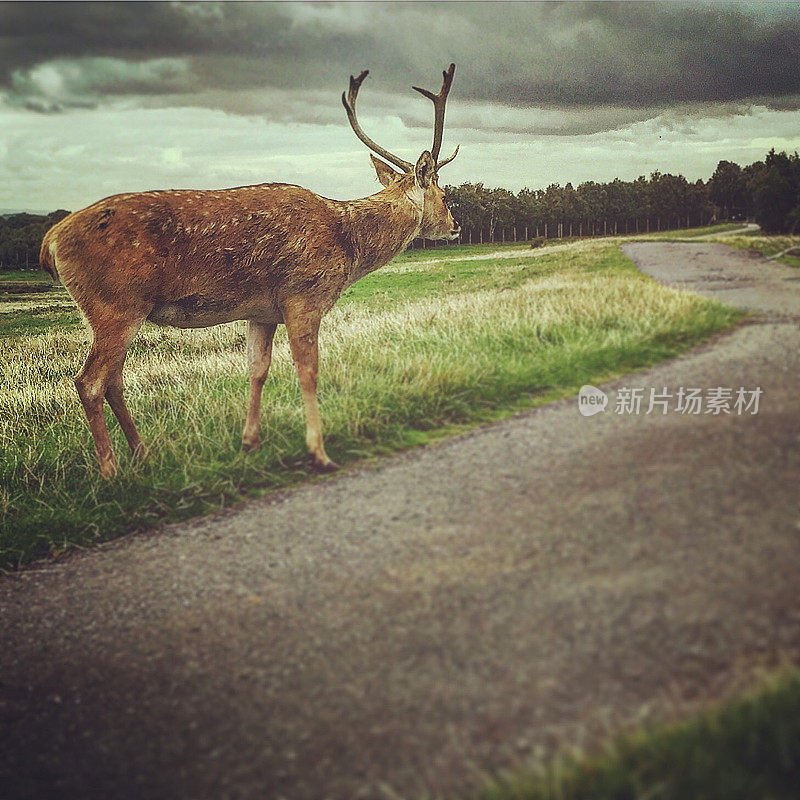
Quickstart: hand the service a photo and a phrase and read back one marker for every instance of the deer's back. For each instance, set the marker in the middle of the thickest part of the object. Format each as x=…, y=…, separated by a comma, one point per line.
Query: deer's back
x=203, y=256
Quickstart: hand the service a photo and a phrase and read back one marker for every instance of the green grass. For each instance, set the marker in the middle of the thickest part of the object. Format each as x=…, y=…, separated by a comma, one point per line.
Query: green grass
x=61, y=316
x=25, y=275
x=456, y=251
x=411, y=353
x=746, y=749
x=382, y=289
x=693, y=233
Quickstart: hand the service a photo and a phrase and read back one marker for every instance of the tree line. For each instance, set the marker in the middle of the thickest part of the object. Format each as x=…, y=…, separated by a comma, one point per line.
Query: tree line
x=767, y=191
x=21, y=237
x=663, y=201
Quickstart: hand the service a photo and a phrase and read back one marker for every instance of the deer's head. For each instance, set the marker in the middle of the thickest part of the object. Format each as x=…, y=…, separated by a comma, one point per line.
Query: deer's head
x=417, y=179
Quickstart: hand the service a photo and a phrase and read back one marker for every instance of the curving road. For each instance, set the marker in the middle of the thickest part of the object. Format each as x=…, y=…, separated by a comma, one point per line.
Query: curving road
x=404, y=629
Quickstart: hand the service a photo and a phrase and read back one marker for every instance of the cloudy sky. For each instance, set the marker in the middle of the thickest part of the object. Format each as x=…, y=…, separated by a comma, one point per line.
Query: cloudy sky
x=108, y=97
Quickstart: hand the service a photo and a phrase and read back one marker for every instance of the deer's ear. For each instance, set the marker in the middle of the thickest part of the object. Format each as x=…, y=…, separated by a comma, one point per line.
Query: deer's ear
x=386, y=174
x=425, y=170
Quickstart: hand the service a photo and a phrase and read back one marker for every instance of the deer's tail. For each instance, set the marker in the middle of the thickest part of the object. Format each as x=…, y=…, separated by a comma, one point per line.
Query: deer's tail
x=47, y=256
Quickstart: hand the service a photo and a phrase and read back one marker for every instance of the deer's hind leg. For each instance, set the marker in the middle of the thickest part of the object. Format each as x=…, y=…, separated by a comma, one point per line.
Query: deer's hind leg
x=259, y=357
x=302, y=321
x=101, y=379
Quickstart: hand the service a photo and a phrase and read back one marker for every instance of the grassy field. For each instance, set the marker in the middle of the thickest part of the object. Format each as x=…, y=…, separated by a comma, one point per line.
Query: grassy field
x=28, y=275
x=746, y=749
x=417, y=350
x=766, y=246
x=693, y=233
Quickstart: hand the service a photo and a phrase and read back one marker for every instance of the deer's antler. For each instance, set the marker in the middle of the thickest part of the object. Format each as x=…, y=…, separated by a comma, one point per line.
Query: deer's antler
x=439, y=102
x=349, y=103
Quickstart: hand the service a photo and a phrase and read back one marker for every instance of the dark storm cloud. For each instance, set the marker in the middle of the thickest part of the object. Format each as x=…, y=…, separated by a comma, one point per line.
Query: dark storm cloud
x=518, y=55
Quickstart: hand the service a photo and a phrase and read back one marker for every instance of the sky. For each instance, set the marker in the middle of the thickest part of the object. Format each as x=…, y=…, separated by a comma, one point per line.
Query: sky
x=101, y=98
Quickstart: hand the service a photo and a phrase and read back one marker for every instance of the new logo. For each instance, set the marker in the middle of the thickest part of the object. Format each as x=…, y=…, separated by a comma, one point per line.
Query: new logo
x=591, y=400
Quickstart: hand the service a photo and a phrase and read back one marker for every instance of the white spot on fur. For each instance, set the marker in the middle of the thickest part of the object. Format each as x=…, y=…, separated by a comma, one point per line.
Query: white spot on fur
x=416, y=196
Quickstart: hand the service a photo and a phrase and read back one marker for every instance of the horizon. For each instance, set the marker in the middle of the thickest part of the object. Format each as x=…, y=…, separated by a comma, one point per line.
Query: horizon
x=100, y=99
x=6, y=212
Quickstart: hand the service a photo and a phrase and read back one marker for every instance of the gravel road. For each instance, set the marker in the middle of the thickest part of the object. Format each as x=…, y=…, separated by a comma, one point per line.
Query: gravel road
x=408, y=627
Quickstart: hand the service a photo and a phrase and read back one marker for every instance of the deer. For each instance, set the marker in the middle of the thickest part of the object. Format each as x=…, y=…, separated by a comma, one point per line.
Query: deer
x=270, y=254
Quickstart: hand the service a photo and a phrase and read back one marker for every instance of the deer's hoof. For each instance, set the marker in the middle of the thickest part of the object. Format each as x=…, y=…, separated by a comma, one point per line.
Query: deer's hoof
x=248, y=445
x=322, y=467
x=140, y=452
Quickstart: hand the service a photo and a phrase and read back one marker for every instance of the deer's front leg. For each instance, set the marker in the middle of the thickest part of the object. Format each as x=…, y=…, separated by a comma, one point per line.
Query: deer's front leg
x=259, y=356
x=302, y=325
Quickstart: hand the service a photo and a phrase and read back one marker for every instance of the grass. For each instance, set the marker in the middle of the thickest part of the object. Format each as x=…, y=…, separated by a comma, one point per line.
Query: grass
x=746, y=749
x=454, y=250
x=694, y=233
x=416, y=281
x=766, y=246
x=407, y=355
x=26, y=275
x=24, y=313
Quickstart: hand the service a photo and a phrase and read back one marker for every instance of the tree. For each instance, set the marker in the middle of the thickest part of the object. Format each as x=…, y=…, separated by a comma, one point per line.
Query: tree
x=728, y=190
x=768, y=190
x=775, y=200
x=21, y=237
x=466, y=203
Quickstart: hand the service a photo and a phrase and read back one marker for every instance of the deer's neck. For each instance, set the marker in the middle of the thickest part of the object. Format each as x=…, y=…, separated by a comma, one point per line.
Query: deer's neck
x=381, y=226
